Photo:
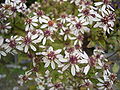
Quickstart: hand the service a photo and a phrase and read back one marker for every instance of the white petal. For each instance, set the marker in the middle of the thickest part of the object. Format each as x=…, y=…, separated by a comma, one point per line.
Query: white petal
x=47, y=63
x=65, y=67
x=34, y=24
x=73, y=70
x=26, y=48
x=32, y=47
x=44, y=41
x=58, y=51
x=86, y=69
x=52, y=65
x=44, y=26
x=3, y=53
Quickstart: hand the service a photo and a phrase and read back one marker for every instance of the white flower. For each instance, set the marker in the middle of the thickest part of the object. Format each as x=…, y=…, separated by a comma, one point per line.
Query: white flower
x=31, y=23
x=88, y=14
x=46, y=35
x=4, y=28
x=64, y=18
x=73, y=61
x=79, y=40
x=13, y=43
x=106, y=22
x=40, y=14
x=52, y=57
x=28, y=41
x=105, y=6
x=80, y=26
x=105, y=84
x=49, y=24
x=67, y=33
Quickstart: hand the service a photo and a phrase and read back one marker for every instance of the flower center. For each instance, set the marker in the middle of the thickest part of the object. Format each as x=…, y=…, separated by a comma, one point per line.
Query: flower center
x=57, y=85
x=80, y=37
x=2, y=27
x=73, y=59
x=13, y=9
x=12, y=44
x=105, y=20
x=106, y=1
x=27, y=40
x=92, y=61
x=28, y=21
x=51, y=23
x=51, y=55
x=47, y=33
x=78, y=25
x=107, y=84
x=40, y=13
x=63, y=16
x=70, y=50
x=67, y=31
x=86, y=12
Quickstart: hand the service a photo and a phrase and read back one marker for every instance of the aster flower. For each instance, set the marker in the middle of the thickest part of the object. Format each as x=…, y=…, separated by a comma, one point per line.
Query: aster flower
x=24, y=78
x=56, y=86
x=67, y=33
x=80, y=26
x=105, y=6
x=104, y=84
x=28, y=41
x=13, y=43
x=48, y=24
x=40, y=14
x=63, y=18
x=4, y=28
x=106, y=22
x=21, y=5
x=79, y=39
x=72, y=61
x=88, y=14
x=52, y=57
x=46, y=35
x=31, y=23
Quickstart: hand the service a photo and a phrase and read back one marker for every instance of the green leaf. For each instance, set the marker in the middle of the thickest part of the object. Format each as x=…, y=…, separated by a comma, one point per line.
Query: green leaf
x=91, y=44
x=115, y=68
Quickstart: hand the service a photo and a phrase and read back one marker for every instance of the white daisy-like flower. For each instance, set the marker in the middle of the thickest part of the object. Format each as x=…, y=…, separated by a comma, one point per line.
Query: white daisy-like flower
x=79, y=40
x=52, y=57
x=72, y=61
x=104, y=84
x=67, y=33
x=4, y=28
x=46, y=35
x=106, y=22
x=64, y=18
x=49, y=24
x=2, y=53
x=80, y=26
x=31, y=23
x=56, y=86
x=24, y=78
x=28, y=41
x=40, y=14
x=105, y=6
x=21, y=5
x=88, y=14
x=13, y=43
x=40, y=82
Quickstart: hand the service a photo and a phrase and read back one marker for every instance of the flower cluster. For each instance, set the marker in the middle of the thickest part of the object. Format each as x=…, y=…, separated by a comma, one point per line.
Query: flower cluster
x=56, y=44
